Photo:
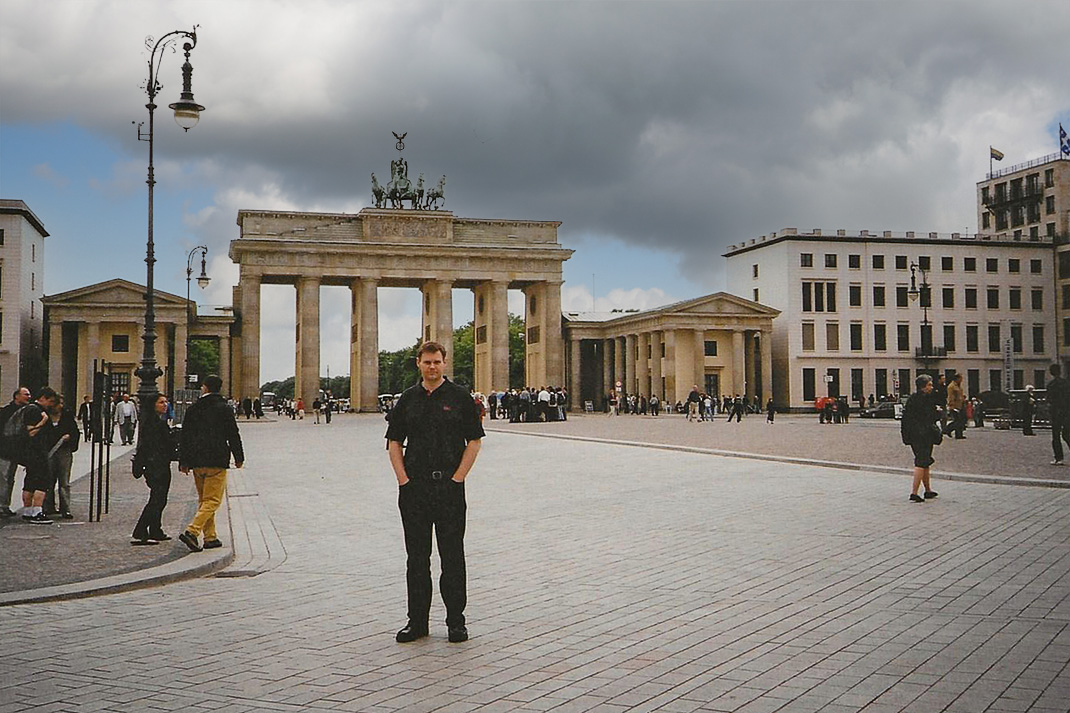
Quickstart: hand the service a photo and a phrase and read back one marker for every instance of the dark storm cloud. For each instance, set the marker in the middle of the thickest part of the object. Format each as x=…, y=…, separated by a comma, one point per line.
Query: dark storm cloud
x=683, y=126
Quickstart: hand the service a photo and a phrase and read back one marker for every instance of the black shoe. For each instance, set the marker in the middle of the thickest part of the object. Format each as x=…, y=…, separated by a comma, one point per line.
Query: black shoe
x=38, y=519
x=66, y=516
x=140, y=541
x=190, y=541
x=7, y=512
x=915, y=498
x=410, y=633
x=212, y=544
x=930, y=494
x=160, y=536
x=458, y=634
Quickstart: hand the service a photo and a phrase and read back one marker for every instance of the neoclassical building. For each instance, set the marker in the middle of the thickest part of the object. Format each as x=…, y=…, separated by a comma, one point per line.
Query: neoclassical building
x=104, y=322
x=719, y=343
x=429, y=250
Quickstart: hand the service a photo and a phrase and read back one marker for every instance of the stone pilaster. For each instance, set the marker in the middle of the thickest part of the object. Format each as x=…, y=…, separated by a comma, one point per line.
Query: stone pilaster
x=307, y=363
x=438, y=317
x=607, y=370
x=250, y=337
x=642, y=365
x=224, y=366
x=181, y=366
x=766, y=346
x=576, y=399
x=655, y=365
x=364, y=345
x=630, y=343
x=55, y=357
x=92, y=353
x=739, y=372
x=700, y=359
x=669, y=368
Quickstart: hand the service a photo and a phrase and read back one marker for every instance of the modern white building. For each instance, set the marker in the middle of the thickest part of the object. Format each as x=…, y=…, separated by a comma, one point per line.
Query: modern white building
x=22, y=267
x=864, y=313
x=1029, y=201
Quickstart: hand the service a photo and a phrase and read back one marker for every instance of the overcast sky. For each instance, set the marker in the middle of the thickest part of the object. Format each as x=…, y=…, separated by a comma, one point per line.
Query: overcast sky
x=657, y=132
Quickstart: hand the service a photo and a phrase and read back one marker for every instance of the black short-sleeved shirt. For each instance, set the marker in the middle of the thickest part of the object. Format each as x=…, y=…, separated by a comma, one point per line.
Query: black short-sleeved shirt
x=434, y=427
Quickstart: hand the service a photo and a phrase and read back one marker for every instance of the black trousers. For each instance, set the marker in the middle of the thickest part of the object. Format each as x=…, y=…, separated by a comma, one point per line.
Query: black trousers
x=438, y=504
x=1060, y=431
x=149, y=524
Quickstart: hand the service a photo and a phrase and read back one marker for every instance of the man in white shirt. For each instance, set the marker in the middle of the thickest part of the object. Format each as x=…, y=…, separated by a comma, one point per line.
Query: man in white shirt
x=126, y=417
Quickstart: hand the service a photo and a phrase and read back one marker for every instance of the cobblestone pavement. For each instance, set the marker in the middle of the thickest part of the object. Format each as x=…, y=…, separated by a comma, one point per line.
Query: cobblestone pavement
x=601, y=578
x=985, y=451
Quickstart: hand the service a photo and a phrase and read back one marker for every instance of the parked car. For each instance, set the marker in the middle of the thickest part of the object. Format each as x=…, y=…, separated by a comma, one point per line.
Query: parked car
x=885, y=409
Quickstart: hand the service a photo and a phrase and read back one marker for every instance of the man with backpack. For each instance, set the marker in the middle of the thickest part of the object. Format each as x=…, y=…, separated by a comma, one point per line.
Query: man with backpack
x=8, y=461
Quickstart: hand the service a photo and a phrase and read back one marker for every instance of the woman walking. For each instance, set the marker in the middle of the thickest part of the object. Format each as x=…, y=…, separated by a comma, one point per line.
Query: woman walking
x=62, y=439
x=155, y=452
x=920, y=430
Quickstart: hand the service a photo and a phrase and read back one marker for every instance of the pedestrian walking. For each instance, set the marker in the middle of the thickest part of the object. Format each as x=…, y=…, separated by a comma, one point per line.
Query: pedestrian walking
x=126, y=418
x=920, y=429
x=30, y=423
x=8, y=450
x=209, y=438
x=61, y=437
x=85, y=416
x=770, y=411
x=1028, y=409
x=433, y=440
x=155, y=451
x=956, y=409
x=1059, y=412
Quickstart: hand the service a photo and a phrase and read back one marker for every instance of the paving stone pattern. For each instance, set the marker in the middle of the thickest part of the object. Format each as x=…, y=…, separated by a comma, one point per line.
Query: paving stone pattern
x=601, y=578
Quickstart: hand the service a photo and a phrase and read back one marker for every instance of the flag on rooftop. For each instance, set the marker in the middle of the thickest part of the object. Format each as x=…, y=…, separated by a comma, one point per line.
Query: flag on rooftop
x=1064, y=141
x=995, y=153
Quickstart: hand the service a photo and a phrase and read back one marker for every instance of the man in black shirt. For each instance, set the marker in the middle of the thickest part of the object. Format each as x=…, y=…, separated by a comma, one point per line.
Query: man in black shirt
x=33, y=453
x=1059, y=410
x=433, y=440
x=8, y=456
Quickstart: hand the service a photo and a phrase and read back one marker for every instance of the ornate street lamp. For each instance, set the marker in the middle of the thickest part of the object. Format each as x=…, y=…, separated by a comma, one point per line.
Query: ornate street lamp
x=202, y=282
x=924, y=291
x=187, y=112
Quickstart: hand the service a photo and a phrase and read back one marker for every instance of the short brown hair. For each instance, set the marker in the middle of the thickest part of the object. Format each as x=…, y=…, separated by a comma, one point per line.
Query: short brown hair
x=429, y=347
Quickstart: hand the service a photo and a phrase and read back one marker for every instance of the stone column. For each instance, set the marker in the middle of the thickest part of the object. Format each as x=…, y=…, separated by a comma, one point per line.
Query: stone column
x=574, y=394
x=700, y=359
x=224, y=366
x=607, y=370
x=643, y=365
x=364, y=345
x=181, y=356
x=767, y=365
x=438, y=317
x=619, y=357
x=739, y=372
x=655, y=365
x=630, y=343
x=499, y=337
x=669, y=368
x=92, y=352
x=55, y=359
x=553, y=349
x=307, y=370
x=250, y=337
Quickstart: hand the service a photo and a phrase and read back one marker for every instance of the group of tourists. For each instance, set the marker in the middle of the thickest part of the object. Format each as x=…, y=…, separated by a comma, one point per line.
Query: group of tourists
x=527, y=404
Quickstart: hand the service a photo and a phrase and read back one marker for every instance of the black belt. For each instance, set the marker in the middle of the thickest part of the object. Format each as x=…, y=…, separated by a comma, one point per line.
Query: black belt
x=433, y=475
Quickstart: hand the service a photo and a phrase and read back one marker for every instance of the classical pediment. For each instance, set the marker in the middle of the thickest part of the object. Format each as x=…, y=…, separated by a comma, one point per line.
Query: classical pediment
x=110, y=292
x=719, y=303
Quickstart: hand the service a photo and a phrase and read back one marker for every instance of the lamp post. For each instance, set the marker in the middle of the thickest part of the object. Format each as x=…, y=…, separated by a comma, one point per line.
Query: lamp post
x=202, y=282
x=924, y=291
x=187, y=112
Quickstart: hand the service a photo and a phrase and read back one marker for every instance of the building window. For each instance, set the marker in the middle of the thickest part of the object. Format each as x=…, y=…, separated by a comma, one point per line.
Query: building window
x=986, y=220
x=992, y=264
x=754, y=270
x=971, y=338
x=881, y=382
x=834, y=381
x=880, y=337
x=925, y=262
x=755, y=294
x=1, y=236
x=33, y=282
x=1014, y=265
x=806, y=259
x=904, y=381
x=971, y=298
x=1066, y=331
x=709, y=348
x=993, y=339
x=830, y=260
x=819, y=296
x=120, y=343
x=947, y=264
x=1015, y=298
x=1016, y=338
x=1038, y=298
x=878, y=262
x=1051, y=230
x=878, y=295
x=1019, y=379
x=927, y=338
x=857, y=392
x=973, y=382
x=995, y=380
x=33, y=252
x=856, y=337
x=900, y=262
x=1049, y=205
x=809, y=380
x=949, y=337
x=533, y=335
x=1064, y=265
x=902, y=296
x=948, y=297
x=1038, y=339
x=902, y=334
x=481, y=334
x=855, y=295
x=808, y=336
x=969, y=264
x=1035, y=266
x=993, y=298
x=1049, y=178
x=1038, y=377
x=854, y=262
x=832, y=336
x=1002, y=218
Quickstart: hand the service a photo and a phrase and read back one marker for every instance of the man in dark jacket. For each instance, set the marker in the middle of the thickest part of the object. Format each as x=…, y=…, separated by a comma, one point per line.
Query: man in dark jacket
x=1059, y=410
x=209, y=438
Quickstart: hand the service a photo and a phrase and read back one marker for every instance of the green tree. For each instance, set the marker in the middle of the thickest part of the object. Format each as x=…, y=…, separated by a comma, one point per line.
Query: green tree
x=516, y=352
x=464, y=349
x=203, y=357
x=397, y=370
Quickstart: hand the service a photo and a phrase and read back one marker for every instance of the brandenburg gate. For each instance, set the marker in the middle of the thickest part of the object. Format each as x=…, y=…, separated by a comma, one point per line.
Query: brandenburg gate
x=421, y=247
